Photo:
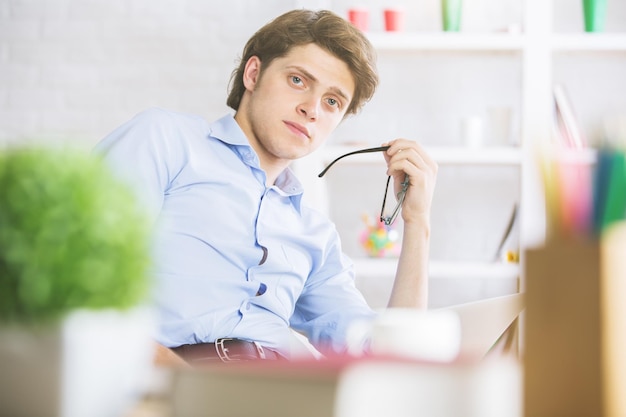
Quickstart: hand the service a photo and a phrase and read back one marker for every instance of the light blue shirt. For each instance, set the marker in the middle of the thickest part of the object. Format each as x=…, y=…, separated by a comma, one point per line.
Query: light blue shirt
x=232, y=257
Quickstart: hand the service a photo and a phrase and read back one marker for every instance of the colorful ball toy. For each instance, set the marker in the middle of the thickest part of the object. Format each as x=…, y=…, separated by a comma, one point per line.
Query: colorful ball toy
x=377, y=239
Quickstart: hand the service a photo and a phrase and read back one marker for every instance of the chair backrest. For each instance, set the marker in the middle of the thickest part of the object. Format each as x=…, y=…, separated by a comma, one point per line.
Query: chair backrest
x=489, y=323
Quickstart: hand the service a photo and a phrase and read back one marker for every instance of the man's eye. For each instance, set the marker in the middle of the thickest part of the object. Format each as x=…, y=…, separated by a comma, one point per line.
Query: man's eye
x=333, y=102
x=296, y=80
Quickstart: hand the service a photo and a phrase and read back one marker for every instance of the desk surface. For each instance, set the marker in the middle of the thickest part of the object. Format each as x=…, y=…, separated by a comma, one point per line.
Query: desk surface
x=483, y=323
x=150, y=407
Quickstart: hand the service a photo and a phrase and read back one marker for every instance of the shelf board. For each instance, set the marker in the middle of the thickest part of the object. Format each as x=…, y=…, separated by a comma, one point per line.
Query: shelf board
x=442, y=41
x=442, y=155
x=478, y=156
x=493, y=42
x=589, y=42
x=385, y=268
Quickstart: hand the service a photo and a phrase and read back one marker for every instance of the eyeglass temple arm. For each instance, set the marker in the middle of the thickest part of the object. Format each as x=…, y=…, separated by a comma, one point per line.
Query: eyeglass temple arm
x=368, y=150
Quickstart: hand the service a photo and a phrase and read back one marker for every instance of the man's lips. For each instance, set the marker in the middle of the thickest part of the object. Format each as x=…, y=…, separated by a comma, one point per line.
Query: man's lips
x=298, y=128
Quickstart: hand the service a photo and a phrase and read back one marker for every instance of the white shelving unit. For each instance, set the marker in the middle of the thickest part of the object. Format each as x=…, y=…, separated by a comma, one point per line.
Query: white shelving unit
x=442, y=155
x=371, y=268
x=536, y=48
x=599, y=42
x=375, y=275
x=446, y=41
x=452, y=283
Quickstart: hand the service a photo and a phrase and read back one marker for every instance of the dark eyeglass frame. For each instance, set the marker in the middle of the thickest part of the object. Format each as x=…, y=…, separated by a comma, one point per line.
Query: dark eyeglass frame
x=387, y=220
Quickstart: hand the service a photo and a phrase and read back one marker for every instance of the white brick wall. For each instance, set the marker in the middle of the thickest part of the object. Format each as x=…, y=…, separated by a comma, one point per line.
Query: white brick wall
x=72, y=70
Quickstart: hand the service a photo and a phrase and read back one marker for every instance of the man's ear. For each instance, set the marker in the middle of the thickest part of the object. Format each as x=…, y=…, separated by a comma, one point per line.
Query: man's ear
x=251, y=73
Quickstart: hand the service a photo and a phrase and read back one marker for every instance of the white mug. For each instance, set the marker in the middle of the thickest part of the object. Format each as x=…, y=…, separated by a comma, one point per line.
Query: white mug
x=472, y=131
x=432, y=335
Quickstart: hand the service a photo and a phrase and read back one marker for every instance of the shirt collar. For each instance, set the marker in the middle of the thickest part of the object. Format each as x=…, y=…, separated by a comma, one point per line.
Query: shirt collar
x=227, y=130
x=288, y=184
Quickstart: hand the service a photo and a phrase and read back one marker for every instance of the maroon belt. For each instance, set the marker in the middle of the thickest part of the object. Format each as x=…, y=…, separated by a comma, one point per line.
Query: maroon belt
x=226, y=350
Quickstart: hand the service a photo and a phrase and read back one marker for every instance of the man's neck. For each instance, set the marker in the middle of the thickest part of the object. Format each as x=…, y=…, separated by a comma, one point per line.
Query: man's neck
x=272, y=167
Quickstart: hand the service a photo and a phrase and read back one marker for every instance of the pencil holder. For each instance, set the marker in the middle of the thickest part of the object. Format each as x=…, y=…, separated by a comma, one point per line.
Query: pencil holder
x=360, y=18
x=394, y=19
x=595, y=15
x=451, y=15
x=575, y=327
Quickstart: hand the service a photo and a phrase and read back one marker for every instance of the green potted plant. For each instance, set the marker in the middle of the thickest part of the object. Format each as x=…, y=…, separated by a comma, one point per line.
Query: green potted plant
x=74, y=259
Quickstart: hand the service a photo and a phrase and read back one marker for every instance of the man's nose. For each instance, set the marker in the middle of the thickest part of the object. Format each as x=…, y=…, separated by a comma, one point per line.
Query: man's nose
x=309, y=108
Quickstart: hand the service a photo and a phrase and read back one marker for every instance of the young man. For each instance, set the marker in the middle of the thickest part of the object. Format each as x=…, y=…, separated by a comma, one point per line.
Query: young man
x=237, y=256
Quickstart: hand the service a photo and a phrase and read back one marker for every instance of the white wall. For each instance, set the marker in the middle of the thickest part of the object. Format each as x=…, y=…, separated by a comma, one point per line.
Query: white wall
x=72, y=70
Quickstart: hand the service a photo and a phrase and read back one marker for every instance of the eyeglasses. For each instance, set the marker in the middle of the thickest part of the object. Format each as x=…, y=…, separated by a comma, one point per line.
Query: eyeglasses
x=388, y=220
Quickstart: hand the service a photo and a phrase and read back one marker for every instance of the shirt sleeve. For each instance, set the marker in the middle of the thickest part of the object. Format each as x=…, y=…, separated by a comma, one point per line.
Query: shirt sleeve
x=141, y=153
x=330, y=304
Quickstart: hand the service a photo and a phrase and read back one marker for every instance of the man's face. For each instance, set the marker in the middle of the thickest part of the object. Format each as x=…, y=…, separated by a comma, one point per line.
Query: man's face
x=298, y=101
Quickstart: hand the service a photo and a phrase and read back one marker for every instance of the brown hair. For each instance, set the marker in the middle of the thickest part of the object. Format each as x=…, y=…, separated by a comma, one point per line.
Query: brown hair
x=324, y=28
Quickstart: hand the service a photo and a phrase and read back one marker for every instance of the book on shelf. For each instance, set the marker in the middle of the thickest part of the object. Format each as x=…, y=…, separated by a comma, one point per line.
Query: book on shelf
x=510, y=256
x=350, y=387
x=566, y=120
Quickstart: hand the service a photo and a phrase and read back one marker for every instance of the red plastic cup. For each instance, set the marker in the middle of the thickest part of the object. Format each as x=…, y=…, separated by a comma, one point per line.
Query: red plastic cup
x=360, y=18
x=394, y=20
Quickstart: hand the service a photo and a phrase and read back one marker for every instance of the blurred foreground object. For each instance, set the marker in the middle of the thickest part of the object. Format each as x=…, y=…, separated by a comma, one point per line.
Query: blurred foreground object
x=74, y=258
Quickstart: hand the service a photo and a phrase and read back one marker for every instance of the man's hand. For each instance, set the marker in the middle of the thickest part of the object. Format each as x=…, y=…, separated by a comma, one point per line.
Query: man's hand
x=406, y=157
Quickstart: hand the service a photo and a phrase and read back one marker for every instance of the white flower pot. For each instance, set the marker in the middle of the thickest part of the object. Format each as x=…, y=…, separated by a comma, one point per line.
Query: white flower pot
x=94, y=363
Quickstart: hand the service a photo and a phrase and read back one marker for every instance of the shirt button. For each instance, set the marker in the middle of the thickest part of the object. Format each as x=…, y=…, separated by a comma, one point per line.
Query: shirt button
x=248, y=305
